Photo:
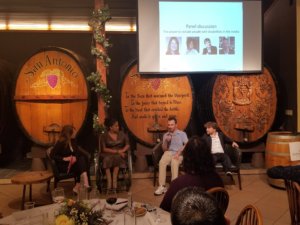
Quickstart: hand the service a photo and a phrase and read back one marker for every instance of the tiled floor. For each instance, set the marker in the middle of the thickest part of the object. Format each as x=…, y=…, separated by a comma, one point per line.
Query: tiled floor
x=272, y=202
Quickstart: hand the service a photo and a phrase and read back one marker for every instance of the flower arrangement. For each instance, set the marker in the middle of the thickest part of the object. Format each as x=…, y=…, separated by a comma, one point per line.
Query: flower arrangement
x=79, y=213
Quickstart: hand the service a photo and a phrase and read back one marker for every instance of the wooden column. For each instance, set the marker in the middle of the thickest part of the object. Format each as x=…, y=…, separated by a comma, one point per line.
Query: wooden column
x=101, y=68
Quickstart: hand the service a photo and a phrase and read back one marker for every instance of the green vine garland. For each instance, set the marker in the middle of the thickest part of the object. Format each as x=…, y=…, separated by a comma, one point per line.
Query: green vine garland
x=99, y=87
x=98, y=128
x=97, y=22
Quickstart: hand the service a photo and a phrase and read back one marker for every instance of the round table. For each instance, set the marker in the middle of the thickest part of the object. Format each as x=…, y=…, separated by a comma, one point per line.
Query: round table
x=37, y=215
x=29, y=178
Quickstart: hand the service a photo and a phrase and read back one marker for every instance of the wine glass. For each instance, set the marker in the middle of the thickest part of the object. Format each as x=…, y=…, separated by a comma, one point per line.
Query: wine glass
x=58, y=195
x=111, y=199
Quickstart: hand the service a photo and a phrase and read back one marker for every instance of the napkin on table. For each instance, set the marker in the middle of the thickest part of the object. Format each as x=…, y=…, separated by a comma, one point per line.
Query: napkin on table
x=120, y=204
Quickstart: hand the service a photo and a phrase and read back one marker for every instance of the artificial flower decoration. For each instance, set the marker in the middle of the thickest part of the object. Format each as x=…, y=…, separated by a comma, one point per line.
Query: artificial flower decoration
x=79, y=213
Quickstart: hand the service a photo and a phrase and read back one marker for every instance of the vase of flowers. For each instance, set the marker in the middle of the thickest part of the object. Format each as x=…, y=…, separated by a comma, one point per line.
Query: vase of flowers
x=79, y=213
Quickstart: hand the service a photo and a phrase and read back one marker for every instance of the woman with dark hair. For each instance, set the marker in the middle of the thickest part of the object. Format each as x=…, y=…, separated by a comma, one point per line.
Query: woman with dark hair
x=199, y=171
x=114, y=145
x=173, y=46
x=69, y=158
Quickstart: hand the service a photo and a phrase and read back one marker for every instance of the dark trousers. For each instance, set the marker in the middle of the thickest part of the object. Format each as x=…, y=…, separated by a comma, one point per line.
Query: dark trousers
x=81, y=165
x=223, y=159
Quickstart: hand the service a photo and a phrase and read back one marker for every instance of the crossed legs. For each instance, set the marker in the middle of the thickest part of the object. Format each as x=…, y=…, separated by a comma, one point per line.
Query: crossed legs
x=166, y=160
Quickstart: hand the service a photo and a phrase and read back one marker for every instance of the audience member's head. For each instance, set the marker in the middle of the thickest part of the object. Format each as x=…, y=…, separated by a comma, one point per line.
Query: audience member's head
x=192, y=206
x=197, y=157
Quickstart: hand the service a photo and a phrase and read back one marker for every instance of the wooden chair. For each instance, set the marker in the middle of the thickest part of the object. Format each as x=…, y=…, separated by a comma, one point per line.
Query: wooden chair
x=221, y=196
x=250, y=215
x=235, y=156
x=293, y=193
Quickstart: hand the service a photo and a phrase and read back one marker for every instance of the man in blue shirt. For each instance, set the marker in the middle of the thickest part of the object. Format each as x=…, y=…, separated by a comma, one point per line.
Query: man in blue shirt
x=173, y=144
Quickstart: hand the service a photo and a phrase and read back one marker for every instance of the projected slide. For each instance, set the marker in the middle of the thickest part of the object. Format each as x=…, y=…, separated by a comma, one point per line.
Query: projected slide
x=200, y=36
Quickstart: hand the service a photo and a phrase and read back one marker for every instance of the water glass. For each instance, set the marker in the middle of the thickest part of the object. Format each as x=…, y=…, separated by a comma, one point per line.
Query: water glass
x=129, y=198
x=94, y=194
x=83, y=193
x=58, y=195
x=129, y=217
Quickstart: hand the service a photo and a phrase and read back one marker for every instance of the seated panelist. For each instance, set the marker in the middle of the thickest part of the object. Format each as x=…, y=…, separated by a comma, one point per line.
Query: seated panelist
x=69, y=158
x=114, y=145
x=173, y=144
x=216, y=142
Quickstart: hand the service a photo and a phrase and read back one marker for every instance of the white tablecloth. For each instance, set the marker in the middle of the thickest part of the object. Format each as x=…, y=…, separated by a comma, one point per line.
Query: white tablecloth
x=45, y=214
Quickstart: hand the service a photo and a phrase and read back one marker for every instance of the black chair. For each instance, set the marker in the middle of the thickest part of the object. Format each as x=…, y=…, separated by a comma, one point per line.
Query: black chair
x=124, y=176
x=235, y=156
x=58, y=175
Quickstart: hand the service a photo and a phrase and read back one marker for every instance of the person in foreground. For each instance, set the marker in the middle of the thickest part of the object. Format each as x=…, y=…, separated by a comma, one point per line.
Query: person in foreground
x=192, y=206
x=69, y=157
x=173, y=144
x=199, y=171
x=216, y=141
x=114, y=145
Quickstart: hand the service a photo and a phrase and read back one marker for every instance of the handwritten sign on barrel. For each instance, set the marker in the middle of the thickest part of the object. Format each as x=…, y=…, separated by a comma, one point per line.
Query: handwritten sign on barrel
x=50, y=91
x=148, y=102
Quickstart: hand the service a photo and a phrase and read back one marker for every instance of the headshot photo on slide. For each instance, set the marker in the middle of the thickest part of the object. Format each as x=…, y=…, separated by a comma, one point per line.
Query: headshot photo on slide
x=173, y=45
x=192, y=45
x=209, y=49
x=227, y=45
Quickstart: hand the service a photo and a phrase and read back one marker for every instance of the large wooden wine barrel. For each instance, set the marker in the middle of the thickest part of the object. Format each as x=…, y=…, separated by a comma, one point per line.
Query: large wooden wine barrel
x=278, y=152
x=50, y=91
x=147, y=102
x=244, y=106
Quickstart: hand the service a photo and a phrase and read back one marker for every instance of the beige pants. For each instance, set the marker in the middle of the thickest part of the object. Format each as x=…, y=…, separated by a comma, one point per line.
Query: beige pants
x=165, y=160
